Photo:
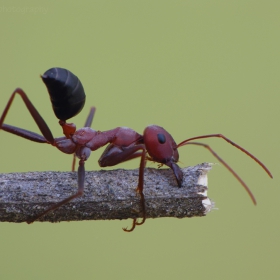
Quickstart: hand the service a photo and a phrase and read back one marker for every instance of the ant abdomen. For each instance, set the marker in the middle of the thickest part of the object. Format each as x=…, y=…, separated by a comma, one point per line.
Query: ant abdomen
x=66, y=92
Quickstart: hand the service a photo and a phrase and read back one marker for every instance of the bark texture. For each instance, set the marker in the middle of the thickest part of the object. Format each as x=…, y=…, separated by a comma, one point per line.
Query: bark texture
x=107, y=195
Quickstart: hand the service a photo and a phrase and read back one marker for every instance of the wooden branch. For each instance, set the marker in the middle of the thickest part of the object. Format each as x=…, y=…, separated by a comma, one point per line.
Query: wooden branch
x=108, y=195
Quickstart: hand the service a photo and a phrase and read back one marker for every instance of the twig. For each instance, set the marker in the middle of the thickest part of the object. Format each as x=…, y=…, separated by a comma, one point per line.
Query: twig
x=108, y=195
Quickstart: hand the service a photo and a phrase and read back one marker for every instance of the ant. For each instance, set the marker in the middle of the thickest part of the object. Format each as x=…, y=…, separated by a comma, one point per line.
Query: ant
x=156, y=144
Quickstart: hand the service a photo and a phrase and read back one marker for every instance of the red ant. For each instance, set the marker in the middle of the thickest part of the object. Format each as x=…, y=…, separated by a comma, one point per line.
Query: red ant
x=156, y=144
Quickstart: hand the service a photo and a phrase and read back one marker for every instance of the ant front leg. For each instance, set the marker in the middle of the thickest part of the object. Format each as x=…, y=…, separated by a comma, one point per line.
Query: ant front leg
x=35, y=115
x=114, y=155
x=125, y=144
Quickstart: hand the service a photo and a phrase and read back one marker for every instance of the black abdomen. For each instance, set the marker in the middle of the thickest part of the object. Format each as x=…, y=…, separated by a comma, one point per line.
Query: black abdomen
x=66, y=92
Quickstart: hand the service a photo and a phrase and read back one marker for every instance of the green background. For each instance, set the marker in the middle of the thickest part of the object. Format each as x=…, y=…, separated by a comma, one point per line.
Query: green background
x=193, y=67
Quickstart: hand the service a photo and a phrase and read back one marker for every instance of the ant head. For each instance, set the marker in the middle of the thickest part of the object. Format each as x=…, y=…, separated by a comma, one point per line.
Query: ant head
x=66, y=92
x=160, y=144
x=162, y=148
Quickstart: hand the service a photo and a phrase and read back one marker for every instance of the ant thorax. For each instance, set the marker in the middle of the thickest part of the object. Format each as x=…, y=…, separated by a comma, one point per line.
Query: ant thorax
x=83, y=135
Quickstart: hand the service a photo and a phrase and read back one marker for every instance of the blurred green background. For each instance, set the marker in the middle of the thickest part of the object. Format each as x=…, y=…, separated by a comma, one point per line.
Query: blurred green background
x=193, y=67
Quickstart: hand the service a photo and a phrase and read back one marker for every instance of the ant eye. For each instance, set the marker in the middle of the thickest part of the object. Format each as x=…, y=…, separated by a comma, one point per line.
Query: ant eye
x=161, y=138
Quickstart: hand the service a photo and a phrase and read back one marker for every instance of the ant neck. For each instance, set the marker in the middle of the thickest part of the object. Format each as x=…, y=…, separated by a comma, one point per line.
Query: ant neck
x=68, y=128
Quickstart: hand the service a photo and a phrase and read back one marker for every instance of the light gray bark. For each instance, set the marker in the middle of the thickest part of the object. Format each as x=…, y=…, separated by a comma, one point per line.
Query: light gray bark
x=107, y=195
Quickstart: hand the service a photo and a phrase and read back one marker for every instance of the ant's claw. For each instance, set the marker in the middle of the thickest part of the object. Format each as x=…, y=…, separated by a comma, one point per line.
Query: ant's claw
x=128, y=230
x=140, y=223
x=134, y=223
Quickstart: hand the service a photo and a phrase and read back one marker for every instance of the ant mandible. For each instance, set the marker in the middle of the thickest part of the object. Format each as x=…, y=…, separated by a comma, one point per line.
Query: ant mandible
x=156, y=144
